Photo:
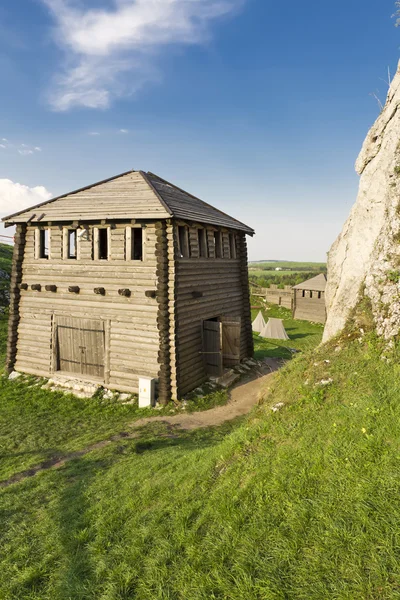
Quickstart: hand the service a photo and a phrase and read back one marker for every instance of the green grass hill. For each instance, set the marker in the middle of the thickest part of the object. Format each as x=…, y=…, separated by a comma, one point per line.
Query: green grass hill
x=300, y=504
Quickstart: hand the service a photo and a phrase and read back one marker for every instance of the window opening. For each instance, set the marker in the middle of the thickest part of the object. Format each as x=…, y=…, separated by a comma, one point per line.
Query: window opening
x=103, y=244
x=44, y=239
x=183, y=242
x=137, y=243
x=71, y=248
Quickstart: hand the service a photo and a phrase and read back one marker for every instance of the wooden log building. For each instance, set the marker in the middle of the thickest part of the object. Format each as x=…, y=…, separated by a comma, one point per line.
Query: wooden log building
x=309, y=299
x=129, y=277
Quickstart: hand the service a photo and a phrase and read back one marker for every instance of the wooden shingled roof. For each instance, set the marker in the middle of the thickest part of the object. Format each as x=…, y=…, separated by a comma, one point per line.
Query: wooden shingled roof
x=131, y=195
x=315, y=284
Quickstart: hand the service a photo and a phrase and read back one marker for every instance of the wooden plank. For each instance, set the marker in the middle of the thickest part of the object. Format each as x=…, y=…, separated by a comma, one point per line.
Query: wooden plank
x=80, y=346
x=212, y=347
x=231, y=331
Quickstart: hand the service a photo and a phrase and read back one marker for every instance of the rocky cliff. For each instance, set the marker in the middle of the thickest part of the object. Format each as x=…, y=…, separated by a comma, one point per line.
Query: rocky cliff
x=365, y=259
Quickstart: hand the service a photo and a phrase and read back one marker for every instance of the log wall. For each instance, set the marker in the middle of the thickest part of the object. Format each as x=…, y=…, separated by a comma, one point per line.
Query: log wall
x=224, y=289
x=15, y=294
x=274, y=295
x=163, y=320
x=132, y=332
x=309, y=308
x=155, y=329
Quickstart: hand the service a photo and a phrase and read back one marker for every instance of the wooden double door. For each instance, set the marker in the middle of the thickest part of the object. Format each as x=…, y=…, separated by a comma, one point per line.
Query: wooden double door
x=80, y=346
x=221, y=344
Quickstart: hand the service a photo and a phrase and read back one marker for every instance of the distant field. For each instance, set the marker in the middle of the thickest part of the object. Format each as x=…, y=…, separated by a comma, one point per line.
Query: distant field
x=278, y=274
x=263, y=272
x=287, y=266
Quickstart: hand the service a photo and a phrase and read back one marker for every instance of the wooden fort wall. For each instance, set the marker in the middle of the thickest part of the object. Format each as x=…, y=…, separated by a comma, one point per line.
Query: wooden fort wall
x=309, y=306
x=154, y=332
x=284, y=297
x=275, y=295
x=132, y=331
x=202, y=289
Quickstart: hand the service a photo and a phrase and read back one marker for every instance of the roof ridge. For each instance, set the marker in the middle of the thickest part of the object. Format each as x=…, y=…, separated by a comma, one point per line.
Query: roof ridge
x=200, y=200
x=82, y=189
x=153, y=189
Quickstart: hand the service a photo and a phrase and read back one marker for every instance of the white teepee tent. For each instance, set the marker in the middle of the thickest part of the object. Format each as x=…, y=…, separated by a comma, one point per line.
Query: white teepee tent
x=259, y=323
x=274, y=330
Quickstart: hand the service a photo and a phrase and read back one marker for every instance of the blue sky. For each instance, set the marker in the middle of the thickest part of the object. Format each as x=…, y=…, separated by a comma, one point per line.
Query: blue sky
x=258, y=107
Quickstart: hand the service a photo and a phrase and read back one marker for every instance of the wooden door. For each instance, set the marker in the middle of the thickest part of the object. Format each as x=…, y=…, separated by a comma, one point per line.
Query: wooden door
x=212, y=347
x=80, y=346
x=231, y=327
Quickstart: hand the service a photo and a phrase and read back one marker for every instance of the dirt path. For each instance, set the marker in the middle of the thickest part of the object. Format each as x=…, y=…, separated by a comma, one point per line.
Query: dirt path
x=243, y=397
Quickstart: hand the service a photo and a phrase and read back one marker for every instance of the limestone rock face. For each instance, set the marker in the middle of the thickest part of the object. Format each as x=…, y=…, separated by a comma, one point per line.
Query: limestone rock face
x=366, y=255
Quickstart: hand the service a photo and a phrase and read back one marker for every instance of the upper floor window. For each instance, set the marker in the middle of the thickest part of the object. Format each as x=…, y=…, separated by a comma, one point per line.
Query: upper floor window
x=72, y=249
x=134, y=243
x=101, y=243
x=42, y=249
x=183, y=241
x=70, y=244
x=137, y=243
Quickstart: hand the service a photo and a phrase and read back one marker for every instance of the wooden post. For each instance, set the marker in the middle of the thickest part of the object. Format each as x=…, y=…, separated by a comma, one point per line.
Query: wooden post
x=65, y=243
x=128, y=243
x=37, y=243
x=107, y=351
x=15, y=295
x=164, y=374
x=172, y=252
x=244, y=278
x=96, y=243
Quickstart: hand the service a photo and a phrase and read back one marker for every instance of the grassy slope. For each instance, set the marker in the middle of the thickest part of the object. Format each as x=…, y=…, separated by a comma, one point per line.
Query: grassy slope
x=47, y=424
x=299, y=504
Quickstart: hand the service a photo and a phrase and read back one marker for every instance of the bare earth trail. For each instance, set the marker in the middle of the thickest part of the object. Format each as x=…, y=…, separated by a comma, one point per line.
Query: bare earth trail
x=243, y=397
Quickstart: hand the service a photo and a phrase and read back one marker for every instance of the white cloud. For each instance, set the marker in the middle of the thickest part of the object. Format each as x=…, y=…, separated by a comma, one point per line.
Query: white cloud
x=21, y=149
x=15, y=196
x=94, y=133
x=103, y=46
x=123, y=131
